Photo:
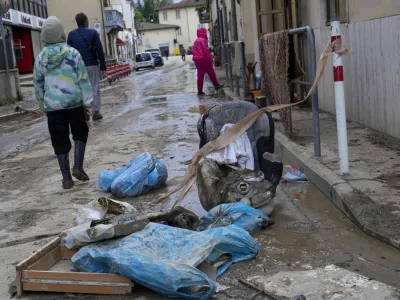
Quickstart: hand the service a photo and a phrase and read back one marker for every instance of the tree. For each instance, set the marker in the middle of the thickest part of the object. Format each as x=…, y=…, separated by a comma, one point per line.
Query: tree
x=149, y=8
x=139, y=16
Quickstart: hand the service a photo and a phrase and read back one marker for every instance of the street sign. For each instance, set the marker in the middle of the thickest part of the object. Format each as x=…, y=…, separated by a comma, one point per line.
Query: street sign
x=204, y=15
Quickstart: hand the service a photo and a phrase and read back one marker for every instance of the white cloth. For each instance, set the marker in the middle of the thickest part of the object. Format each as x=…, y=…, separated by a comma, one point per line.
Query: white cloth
x=239, y=151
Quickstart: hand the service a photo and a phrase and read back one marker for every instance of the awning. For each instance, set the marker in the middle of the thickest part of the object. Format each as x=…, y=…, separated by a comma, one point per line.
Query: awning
x=120, y=42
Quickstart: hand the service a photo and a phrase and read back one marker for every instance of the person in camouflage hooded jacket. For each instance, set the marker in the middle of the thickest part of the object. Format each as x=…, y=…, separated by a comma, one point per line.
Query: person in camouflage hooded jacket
x=63, y=90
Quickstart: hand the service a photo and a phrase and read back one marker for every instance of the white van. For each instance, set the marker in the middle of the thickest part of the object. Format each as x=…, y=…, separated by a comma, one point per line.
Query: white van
x=144, y=60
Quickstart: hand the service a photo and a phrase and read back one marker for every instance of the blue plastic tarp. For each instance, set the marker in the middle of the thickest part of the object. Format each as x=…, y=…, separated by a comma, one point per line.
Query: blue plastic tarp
x=165, y=258
x=141, y=175
x=239, y=214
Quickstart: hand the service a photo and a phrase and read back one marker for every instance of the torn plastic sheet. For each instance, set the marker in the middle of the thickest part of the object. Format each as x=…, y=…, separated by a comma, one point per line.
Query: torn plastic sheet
x=165, y=258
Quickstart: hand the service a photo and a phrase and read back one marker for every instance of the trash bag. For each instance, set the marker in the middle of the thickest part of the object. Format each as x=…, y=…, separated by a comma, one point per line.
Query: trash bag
x=143, y=174
x=258, y=81
x=97, y=209
x=104, y=229
x=239, y=214
x=165, y=258
x=106, y=178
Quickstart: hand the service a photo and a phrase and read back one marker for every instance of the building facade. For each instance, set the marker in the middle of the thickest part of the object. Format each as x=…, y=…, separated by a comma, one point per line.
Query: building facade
x=66, y=11
x=157, y=36
x=185, y=15
x=23, y=26
x=369, y=28
x=127, y=38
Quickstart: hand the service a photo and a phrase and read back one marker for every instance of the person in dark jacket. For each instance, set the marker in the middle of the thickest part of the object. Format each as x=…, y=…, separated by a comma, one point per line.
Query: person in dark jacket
x=88, y=44
x=183, y=53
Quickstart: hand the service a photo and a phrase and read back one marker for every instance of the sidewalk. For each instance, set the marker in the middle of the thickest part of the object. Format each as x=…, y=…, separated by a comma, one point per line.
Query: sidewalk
x=370, y=195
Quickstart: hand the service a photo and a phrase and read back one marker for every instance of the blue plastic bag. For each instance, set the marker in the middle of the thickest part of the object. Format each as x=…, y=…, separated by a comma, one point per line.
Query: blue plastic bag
x=165, y=258
x=239, y=214
x=106, y=178
x=141, y=175
x=258, y=81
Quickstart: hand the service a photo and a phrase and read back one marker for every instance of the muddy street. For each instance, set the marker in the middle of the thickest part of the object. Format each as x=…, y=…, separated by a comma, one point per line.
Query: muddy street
x=157, y=111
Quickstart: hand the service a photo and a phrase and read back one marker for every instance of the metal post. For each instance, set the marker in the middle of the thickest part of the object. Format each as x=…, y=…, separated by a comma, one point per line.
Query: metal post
x=312, y=75
x=5, y=54
x=237, y=83
x=242, y=47
x=229, y=66
x=340, y=103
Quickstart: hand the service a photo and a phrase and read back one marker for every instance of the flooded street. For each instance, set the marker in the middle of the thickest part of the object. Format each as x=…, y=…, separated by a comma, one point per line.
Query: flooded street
x=157, y=111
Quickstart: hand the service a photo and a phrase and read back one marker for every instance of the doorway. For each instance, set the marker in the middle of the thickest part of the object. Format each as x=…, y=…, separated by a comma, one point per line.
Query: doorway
x=23, y=49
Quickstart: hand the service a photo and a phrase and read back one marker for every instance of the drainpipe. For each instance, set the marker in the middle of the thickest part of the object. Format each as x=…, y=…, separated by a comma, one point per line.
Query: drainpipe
x=104, y=27
x=225, y=12
x=235, y=36
x=187, y=20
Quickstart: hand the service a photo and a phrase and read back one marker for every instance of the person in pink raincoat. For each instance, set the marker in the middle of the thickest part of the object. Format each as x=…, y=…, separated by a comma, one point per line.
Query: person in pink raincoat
x=203, y=61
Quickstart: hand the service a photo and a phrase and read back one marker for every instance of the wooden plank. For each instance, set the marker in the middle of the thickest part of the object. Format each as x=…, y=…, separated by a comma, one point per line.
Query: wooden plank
x=47, y=261
x=67, y=253
x=31, y=260
x=76, y=288
x=76, y=276
x=39, y=254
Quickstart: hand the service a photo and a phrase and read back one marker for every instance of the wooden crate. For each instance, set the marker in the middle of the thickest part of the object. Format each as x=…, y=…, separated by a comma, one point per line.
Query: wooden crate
x=47, y=270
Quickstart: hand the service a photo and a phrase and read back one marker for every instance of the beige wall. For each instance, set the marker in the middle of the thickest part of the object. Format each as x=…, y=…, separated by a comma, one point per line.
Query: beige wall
x=371, y=72
x=363, y=10
x=66, y=11
x=152, y=38
x=188, y=21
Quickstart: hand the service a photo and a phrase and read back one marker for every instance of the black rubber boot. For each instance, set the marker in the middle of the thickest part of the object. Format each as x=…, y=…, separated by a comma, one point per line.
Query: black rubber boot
x=97, y=116
x=200, y=93
x=78, y=171
x=220, y=86
x=63, y=161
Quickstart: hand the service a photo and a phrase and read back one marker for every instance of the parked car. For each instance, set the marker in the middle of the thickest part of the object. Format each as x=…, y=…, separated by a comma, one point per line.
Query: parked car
x=144, y=60
x=158, y=60
x=189, y=50
x=154, y=50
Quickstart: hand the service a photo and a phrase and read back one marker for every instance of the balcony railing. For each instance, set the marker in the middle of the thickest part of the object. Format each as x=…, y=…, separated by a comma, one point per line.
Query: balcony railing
x=113, y=20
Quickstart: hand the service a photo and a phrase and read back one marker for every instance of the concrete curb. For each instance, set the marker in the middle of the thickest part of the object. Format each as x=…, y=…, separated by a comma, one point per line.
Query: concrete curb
x=11, y=116
x=338, y=190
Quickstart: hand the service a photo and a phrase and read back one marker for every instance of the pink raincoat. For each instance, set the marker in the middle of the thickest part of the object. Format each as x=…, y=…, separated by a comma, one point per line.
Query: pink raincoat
x=203, y=60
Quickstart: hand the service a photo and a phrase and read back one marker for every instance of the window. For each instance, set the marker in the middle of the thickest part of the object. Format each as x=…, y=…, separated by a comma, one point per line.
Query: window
x=178, y=13
x=180, y=31
x=105, y=3
x=33, y=7
x=165, y=15
x=337, y=10
x=271, y=16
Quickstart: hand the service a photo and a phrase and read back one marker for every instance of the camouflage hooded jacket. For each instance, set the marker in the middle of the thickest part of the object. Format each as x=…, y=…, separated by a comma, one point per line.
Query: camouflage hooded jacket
x=60, y=78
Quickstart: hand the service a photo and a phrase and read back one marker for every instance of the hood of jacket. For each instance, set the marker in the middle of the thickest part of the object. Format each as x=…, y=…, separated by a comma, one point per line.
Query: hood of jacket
x=202, y=33
x=53, y=55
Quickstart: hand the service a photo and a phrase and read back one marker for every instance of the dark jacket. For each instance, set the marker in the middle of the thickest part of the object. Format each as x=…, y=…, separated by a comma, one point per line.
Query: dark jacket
x=81, y=39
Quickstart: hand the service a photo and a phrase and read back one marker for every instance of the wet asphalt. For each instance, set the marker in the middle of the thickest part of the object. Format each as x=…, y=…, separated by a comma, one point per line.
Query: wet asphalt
x=309, y=231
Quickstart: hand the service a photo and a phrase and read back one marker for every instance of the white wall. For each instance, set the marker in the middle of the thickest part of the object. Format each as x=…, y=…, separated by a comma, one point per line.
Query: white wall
x=188, y=21
x=152, y=38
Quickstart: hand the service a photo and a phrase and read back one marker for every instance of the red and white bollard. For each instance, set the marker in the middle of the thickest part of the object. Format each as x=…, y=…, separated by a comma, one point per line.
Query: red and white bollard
x=340, y=103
